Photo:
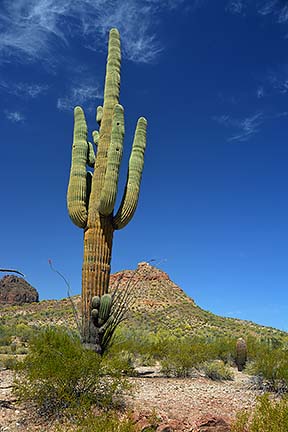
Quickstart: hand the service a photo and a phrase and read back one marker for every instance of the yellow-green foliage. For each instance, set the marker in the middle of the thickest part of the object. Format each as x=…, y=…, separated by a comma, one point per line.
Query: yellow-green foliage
x=58, y=374
x=268, y=416
x=104, y=422
x=271, y=365
x=180, y=357
x=217, y=370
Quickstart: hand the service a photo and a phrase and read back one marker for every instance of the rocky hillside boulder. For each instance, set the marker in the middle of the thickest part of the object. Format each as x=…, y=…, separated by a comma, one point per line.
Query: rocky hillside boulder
x=15, y=290
x=153, y=289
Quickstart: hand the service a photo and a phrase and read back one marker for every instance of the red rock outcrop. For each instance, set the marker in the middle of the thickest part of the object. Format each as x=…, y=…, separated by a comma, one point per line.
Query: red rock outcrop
x=15, y=290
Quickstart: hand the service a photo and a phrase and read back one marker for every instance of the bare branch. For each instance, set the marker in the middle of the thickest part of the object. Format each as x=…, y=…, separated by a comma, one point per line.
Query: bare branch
x=69, y=296
x=12, y=271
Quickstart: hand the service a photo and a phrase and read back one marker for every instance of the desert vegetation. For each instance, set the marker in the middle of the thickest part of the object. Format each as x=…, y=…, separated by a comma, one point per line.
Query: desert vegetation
x=57, y=377
x=269, y=416
x=77, y=375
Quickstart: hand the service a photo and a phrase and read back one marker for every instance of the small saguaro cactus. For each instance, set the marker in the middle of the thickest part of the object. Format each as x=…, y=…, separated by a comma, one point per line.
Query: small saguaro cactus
x=241, y=354
x=91, y=197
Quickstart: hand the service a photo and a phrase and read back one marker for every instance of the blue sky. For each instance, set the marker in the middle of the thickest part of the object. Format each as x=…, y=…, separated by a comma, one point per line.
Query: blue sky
x=212, y=79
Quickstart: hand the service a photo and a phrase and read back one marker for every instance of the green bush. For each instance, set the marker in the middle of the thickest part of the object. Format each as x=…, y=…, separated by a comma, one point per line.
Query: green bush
x=182, y=356
x=271, y=367
x=59, y=374
x=217, y=370
x=122, y=361
x=103, y=422
x=268, y=416
x=8, y=361
x=223, y=348
x=24, y=332
x=5, y=340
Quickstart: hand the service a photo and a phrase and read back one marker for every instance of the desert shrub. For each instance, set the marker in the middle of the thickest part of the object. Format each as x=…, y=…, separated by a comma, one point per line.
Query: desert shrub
x=268, y=416
x=217, y=370
x=5, y=339
x=182, y=356
x=21, y=350
x=24, y=332
x=222, y=348
x=8, y=361
x=271, y=368
x=120, y=361
x=5, y=349
x=107, y=421
x=59, y=374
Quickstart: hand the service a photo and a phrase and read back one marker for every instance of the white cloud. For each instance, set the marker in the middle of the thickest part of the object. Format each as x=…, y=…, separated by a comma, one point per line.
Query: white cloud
x=267, y=7
x=283, y=15
x=276, y=8
x=279, y=82
x=14, y=116
x=33, y=29
x=244, y=128
x=80, y=95
x=21, y=89
x=236, y=7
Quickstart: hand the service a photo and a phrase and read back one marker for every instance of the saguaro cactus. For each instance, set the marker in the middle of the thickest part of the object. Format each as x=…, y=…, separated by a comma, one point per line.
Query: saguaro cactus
x=241, y=354
x=91, y=197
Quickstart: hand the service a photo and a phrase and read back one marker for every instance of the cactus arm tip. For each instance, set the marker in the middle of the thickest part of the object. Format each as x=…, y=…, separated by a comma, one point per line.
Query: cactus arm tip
x=130, y=199
x=91, y=154
x=99, y=114
x=77, y=187
x=114, y=32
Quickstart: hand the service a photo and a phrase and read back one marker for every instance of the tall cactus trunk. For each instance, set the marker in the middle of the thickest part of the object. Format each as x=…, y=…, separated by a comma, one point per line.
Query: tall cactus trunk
x=91, y=196
x=95, y=270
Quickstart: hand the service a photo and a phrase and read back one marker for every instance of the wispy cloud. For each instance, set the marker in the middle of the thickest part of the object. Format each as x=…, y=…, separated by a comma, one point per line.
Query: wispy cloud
x=279, y=82
x=276, y=8
x=32, y=29
x=244, y=128
x=14, y=116
x=22, y=89
x=80, y=95
x=260, y=92
x=236, y=7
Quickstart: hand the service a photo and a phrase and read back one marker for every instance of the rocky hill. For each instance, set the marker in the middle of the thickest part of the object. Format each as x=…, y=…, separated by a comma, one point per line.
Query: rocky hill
x=15, y=290
x=158, y=304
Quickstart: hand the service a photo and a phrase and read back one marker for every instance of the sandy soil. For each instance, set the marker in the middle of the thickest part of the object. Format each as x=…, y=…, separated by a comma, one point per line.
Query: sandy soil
x=182, y=401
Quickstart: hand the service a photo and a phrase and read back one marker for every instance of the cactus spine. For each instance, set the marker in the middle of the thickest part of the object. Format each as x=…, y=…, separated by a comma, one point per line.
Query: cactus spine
x=91, y=197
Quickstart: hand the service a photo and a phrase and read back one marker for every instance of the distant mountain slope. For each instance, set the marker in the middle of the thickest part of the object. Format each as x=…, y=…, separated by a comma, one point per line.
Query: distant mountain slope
x=159, y=304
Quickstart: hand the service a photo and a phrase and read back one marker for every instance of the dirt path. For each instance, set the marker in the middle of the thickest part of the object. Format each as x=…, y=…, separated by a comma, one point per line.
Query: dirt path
x=181, y=403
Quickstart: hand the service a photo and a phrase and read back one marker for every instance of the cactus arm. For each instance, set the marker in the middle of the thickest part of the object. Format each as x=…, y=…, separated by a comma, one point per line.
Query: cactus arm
x=109, y=189
x=91, y=154
x=104, y=308
x=77, y=192
x=130, y=199
x=95, y=135
x=99, y=114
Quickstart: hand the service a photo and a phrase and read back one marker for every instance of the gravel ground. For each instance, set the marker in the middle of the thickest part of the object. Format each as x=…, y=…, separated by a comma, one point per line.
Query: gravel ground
x=184, y=401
